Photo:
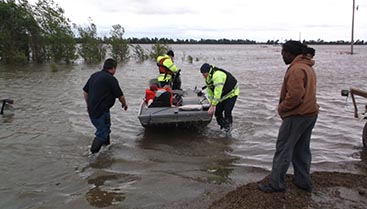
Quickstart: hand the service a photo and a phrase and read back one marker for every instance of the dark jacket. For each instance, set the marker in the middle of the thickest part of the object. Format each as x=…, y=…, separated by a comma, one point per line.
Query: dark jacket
x=103, y=89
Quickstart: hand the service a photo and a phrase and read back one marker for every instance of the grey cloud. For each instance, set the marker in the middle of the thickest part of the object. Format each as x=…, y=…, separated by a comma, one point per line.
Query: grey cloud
x=143, y=7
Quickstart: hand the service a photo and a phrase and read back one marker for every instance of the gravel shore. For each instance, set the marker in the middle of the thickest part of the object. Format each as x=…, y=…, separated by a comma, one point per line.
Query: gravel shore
x=330, y=190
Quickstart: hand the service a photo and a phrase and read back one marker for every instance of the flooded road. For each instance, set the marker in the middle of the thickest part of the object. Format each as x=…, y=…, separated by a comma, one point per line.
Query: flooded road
x=45, y=138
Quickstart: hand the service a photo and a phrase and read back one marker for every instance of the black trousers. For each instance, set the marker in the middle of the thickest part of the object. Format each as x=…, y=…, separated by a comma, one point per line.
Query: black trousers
x=223, y=112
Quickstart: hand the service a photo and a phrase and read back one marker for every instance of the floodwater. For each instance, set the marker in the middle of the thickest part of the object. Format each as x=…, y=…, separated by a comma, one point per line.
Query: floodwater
x=45, y=137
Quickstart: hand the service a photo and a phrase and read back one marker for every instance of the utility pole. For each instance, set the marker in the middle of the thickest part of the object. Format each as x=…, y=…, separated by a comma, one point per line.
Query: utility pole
x=352, y=41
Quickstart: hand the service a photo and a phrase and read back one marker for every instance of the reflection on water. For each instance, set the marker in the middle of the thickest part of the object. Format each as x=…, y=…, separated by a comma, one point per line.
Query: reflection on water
x=363, y=163
x=102, y=160
x=364, y=156
x=220, y=171
x=192, y=144
x=8, y=117
x=99, y=197
x=45, y=138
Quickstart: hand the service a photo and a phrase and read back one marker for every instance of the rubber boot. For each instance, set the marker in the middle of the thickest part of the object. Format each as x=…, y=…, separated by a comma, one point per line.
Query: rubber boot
x=227, y=125
x=220, y=122
x=96, y=145
x=107, y=142
x=228, y=128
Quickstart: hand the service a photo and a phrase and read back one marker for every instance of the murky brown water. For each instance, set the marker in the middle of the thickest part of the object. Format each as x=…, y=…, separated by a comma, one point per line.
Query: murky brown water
x=45, y=139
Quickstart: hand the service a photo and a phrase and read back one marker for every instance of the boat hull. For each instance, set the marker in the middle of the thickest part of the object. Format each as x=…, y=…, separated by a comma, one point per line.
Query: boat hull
x=192, y=113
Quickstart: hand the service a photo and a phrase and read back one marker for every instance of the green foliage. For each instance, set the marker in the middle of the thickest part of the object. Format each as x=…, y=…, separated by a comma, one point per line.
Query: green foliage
x=91, y=48
x=59, y=38
x=40, y=33
x=54, y=67
x=157, y=50
x=20, y=58
x=16, y=24
x=140, y=55
x=119, y=46
x=190, y=59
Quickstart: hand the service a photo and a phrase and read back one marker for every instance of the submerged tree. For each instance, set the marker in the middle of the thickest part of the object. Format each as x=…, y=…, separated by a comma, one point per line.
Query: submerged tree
x=59, y=40
x=119, y=46
x=91, y=48
x=16, y=26
x=158, y=49
x=40, y=33
x=140, y=55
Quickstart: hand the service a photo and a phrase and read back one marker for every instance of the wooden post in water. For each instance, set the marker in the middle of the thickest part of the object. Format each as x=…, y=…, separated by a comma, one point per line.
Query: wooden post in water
x=352, y=41
x=4, y=101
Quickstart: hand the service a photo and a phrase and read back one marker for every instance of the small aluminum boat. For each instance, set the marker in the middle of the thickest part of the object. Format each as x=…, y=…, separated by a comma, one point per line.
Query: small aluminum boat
x=192, y=111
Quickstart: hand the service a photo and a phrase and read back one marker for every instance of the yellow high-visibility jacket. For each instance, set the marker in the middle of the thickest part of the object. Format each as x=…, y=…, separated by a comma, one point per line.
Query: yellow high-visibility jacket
x=221, y=85
x=166, y=68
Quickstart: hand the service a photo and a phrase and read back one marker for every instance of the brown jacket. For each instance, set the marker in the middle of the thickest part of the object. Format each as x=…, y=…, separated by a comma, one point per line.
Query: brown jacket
x=298, y=93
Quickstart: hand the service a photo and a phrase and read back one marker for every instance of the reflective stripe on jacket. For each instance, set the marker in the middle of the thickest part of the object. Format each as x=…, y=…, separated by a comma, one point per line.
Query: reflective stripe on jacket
x=221, y=85
x=166, y=68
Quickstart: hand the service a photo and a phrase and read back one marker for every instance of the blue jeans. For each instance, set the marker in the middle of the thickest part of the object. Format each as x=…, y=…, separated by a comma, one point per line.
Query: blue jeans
x=103, y=126
x=293, y=145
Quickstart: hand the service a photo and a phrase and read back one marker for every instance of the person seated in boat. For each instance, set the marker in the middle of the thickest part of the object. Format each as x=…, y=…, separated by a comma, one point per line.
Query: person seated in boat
x=167, y=69
x=150, y=94
x=162, y=97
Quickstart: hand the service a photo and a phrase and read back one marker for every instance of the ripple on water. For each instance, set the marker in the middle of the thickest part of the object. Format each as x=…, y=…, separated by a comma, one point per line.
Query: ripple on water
x=45, y=142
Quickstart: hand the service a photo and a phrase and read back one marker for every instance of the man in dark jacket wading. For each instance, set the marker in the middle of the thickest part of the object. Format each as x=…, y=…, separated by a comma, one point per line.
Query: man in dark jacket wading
x=100, y=93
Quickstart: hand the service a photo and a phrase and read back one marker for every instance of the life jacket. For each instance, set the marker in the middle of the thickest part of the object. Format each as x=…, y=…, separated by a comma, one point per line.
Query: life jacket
x=163, y=69
x=229, y=85
x=163, y=97
x=149, y=95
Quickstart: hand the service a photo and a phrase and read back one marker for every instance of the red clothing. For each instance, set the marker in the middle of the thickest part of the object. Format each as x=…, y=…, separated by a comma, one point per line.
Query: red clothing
x=149, y=95
x=152, y=93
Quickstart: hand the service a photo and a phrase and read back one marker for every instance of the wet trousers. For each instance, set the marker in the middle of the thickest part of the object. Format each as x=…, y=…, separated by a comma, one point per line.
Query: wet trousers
x=103, y=127
x=293, y=145
x=225, y=120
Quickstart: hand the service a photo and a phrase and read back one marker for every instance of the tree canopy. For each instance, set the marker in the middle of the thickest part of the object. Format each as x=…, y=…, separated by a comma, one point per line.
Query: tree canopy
x=39, y=33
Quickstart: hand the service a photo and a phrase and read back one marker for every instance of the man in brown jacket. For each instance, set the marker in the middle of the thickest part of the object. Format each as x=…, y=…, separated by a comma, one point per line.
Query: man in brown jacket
x=298, y=109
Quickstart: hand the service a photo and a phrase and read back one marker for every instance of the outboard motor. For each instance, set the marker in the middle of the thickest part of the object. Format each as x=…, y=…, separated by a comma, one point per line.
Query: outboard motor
x=176, y=84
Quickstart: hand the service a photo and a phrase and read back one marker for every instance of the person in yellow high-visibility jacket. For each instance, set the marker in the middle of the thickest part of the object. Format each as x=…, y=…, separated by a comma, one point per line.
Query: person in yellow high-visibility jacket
x=166, y=69
x=222, y=90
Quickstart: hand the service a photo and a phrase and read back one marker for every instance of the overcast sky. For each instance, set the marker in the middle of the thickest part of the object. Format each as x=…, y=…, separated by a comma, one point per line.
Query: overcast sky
x=258, y=20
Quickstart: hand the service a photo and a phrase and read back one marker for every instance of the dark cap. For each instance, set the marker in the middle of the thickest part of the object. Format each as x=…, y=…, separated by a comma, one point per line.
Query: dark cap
x=109, y=64
x=294, y=47
x=205, y=68
x=170, y=53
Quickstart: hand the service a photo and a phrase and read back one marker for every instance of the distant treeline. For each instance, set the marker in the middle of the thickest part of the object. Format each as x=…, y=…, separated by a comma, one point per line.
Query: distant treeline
x=147, y=40
x=41, y=33
x=233, y=41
